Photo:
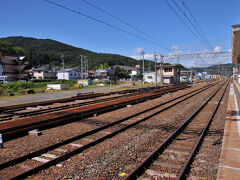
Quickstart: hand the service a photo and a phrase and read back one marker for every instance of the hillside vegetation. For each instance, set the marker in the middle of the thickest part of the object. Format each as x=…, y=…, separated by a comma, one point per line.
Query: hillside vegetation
x=48, y=52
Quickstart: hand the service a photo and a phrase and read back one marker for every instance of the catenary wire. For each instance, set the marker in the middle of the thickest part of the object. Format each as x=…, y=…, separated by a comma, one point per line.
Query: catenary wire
x=192, y=24
x=107, y=24
x=126, y=23
x=185, y=23
x=195, y=20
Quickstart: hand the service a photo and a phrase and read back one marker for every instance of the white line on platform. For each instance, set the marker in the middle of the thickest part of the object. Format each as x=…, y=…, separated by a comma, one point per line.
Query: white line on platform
x=234, y=149
x=237, y=113
x=229, y=167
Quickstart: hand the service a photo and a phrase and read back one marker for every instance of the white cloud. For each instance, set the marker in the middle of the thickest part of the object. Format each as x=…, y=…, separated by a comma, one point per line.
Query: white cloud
x=146, y=56
x=176, y=52
x=136, y=57
x=138, y=50
x=230, y=50
x=175, y=48
x=217, y=49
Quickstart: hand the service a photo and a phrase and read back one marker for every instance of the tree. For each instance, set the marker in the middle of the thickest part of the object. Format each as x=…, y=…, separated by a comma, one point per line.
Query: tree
x=6, y=48
x=120, y=73
x=101, y=66
x=105, y=65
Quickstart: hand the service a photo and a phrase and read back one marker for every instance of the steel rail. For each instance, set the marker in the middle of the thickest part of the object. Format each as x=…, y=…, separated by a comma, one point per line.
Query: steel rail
x=51, y=109
x=64, y=100
x=76, y=151
x=148, y=160
x=183, y=171
x=41, y=151
x=24, y=124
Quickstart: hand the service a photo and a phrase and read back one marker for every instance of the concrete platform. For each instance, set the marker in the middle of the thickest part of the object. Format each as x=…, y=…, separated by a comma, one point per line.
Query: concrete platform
x=229, y=162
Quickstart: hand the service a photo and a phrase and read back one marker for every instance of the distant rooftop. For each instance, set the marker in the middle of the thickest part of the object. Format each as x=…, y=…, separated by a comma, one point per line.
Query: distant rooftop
x=127, y=68
x=66, y=70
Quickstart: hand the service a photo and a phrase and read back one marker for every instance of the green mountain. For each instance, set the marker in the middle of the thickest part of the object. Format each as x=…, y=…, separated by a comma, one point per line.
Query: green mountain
x=225, y=70
x=48, y=52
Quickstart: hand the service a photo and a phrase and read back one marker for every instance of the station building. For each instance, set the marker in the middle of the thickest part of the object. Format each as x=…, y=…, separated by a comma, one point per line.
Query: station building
x=235, y=44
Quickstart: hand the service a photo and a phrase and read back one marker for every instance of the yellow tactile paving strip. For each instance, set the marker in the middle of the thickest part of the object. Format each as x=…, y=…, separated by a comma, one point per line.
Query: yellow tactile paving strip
x=229, y=163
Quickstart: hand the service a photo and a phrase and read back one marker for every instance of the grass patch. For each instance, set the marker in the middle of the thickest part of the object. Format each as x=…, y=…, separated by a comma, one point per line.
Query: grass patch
x=18, y=88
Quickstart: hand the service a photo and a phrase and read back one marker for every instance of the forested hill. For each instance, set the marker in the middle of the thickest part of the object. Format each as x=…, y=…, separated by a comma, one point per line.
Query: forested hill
x=47, y=51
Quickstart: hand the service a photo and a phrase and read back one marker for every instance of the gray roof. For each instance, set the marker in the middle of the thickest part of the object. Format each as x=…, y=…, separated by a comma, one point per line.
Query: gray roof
x=66, y=70
x=127, y=68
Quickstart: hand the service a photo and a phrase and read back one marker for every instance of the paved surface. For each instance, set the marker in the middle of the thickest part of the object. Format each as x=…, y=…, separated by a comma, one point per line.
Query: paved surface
x=55, y=95
x=229, y=163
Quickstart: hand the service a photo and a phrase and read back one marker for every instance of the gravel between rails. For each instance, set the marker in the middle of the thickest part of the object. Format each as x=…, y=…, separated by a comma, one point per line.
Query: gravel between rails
x=205, y=165
x=78, y=166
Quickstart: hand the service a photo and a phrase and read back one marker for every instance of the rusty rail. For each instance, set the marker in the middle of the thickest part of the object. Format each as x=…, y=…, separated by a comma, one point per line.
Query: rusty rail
x=147, y=161
x=22, y=125
x=78, y=150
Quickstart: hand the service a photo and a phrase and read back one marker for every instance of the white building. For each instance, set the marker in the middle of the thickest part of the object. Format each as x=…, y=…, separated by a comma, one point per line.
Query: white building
x=130, y=70
x=150, y=77
x=67, y=74
x=171, y=75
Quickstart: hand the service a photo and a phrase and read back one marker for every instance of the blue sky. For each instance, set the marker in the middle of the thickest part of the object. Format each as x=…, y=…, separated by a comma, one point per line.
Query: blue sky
x=40, y=19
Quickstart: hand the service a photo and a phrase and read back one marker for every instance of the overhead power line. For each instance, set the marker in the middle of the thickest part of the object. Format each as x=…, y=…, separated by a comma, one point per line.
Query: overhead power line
x=192, y=24
x=126, y=23
x=199, y=27
x=181, y=19
x=107, y=24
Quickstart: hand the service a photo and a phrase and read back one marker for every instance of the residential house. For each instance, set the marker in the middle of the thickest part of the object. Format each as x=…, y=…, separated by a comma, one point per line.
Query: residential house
x=171, y=75
x=130, y=70
x=104, y=74
x=43, y=73
x=12, y=68
x=67, y=74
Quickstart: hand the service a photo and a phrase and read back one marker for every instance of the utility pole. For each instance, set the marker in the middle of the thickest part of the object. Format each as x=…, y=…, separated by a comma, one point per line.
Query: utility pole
x=191, y=76
x=195, y=71
x=87, y=66
x=81, y=68
x=161, y=69
x=62, y=58
x=142, y=53
x=155, y=58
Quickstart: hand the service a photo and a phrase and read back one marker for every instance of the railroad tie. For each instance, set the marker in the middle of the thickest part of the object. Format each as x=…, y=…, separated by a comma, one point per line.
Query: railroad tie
x=39, y=159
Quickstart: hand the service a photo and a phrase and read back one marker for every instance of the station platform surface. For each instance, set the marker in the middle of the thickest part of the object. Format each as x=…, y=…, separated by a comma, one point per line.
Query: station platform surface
x=229, y=162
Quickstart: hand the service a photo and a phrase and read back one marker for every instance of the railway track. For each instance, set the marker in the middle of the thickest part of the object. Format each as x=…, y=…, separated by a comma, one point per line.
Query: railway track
x=173, y=157
x=42, y=110
x=14, y=128
x=19, y=111
x=13, y=108
x=61, y=151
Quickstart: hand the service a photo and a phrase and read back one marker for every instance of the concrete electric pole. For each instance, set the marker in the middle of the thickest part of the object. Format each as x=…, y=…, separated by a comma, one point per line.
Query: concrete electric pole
x=155, y=58
x=62, y=58
x=161, y=69
x=142, y=53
